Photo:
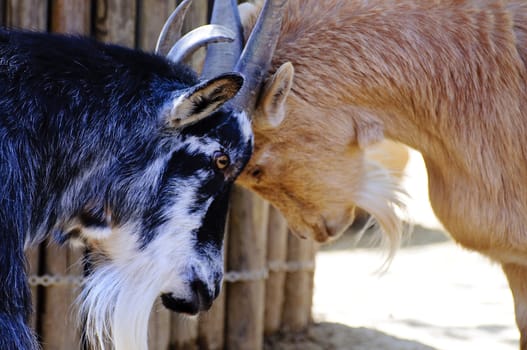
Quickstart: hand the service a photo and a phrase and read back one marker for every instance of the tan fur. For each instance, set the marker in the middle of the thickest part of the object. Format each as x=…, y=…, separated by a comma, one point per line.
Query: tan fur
x=391, y=155
x=444, y=77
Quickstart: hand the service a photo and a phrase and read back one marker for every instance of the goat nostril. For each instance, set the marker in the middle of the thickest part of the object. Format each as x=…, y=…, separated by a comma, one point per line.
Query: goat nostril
x=201, y=299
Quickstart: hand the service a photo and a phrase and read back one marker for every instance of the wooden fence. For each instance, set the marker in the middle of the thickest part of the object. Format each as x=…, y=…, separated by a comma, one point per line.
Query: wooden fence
x=269, y=279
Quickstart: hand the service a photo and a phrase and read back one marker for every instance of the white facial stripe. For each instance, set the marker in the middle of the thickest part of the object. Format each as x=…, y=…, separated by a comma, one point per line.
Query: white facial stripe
x=179, y=216
x=196, y=144
x=209, y=145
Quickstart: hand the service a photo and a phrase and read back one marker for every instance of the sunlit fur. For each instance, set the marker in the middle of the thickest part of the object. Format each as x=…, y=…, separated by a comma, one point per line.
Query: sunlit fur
x=316, y=176
x=447, y=78
x=381, y=196
x=313, y=171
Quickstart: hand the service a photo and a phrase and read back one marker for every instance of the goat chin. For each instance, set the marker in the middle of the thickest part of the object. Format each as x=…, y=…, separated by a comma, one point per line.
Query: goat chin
x=113, y=309
x=382, y=197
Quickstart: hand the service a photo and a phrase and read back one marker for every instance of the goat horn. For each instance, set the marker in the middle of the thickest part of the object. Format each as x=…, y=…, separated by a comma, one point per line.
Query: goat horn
x=197, y=38
x=171, y=31
x=222, y=57
x=255, y=60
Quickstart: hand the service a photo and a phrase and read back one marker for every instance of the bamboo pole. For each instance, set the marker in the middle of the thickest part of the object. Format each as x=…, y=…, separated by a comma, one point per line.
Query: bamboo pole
x=152, y=16
x=3, y=8
x=311, y=281
x=211, y=325
x=274, y=287
x=59, y=329
x=115, y=21
x=70, y=16
x=184, y=332
x=296, y=314
x=159, y=327
x=33, y=261
x=27, y=14
x=247, y=252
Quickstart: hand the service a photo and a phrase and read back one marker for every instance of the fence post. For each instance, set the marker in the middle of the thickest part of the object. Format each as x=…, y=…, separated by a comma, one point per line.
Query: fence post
x=296, y=314
x=247, y=252
x=276, y=255
x=212, y=325
x=28, y=14
x=59, y=329
x=3, y=8
x=115, y=21
x=152, y=16
x=33, y=261
x=71, y=16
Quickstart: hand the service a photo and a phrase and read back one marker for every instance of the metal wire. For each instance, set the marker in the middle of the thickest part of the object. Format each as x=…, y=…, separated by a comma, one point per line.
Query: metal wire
x=230, y=276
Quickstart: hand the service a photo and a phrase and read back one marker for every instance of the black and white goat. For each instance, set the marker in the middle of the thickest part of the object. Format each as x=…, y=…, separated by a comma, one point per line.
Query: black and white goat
x=127, y=153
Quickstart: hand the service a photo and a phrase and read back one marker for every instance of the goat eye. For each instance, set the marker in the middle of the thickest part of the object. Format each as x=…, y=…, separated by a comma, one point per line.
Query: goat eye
x=256, y=172
x=221, y=160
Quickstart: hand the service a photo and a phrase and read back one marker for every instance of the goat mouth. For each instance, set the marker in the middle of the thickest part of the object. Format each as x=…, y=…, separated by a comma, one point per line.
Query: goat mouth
x=324, y=233
x=201, y=300
x=319, y=231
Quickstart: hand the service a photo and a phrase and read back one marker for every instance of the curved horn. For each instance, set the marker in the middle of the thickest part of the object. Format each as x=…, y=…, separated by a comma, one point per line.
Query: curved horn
x=223, y=57
x=197, y=38
x=171, y=31
x=255, y=60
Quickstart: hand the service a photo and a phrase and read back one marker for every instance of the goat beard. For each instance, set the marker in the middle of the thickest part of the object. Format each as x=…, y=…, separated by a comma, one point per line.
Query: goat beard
x=115, y=306
x=382, y=197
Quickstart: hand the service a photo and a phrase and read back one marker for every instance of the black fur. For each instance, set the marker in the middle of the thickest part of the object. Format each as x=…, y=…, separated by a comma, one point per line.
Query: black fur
x=79, y=123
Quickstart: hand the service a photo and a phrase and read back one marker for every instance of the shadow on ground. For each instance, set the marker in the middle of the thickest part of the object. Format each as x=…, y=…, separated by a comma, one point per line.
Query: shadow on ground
x=335, y=336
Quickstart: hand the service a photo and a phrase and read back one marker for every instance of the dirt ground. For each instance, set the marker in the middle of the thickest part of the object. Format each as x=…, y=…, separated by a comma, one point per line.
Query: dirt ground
x=434, y=295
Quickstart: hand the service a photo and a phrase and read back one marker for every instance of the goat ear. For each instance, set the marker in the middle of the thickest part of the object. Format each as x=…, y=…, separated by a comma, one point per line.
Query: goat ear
x=274, y=96
x=203, y=100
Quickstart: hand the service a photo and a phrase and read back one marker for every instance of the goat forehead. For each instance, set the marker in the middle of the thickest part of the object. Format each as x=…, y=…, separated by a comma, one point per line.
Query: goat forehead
x=194, y=144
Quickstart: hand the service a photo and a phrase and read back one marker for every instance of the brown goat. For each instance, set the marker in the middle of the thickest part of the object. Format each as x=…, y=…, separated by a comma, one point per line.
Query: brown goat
x=447, y=78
